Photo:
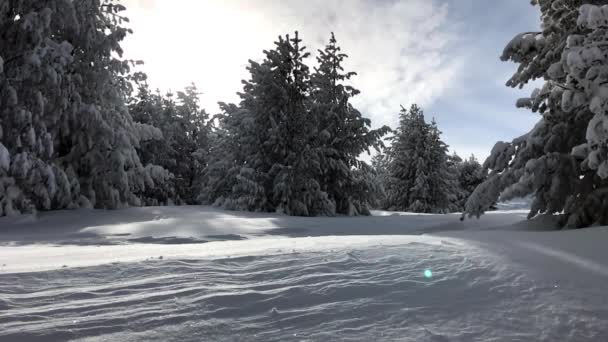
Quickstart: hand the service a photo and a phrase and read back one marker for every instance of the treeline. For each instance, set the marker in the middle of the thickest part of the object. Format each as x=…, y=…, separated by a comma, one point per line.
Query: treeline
x=80, y=128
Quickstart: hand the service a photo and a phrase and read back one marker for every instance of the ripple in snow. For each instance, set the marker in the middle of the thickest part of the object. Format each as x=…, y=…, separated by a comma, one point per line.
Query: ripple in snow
x=370, y=294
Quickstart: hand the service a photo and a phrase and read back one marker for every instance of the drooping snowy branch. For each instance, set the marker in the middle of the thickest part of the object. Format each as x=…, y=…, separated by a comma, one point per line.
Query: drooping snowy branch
x=563, y=161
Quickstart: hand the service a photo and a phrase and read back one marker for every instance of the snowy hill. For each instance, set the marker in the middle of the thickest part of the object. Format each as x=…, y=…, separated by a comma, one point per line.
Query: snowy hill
x=191, y=274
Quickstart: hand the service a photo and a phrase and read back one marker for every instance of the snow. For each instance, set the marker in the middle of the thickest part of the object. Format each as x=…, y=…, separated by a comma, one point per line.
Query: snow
x=199, y=273
x=593, y=16
x=5, y=159
x=44, y=258
x=199, y=223
x=147, y=132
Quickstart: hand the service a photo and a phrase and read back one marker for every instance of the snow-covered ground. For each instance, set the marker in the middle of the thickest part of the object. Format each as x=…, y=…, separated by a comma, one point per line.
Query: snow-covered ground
x=202, y=274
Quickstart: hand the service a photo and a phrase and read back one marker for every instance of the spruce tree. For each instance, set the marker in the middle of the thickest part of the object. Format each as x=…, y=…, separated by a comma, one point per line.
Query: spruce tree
x=402, y=155
x=469, y=174
x=279, y=159
x=193, y=144
x=443, y=178
x=65, y=129
x=183, y=147
x=292, y=143
x=562, y=161
x=380, y=165
x=418, y=176
x=343, y=134
x=155, y=150
x=229, y=145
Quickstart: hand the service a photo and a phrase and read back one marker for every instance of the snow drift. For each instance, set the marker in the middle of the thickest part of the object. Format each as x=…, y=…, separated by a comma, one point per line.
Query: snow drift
x=191, y=274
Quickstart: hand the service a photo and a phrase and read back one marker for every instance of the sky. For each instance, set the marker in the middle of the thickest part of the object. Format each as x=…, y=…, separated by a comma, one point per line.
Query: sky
x=443, y=55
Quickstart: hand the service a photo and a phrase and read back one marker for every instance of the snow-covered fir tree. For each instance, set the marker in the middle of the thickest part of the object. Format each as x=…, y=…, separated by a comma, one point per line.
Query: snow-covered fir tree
x=293, y=141
x=380, y=167
x=444, y=179
x=193, y=144
x=66, y=137
x=343, y=134
x=401, y=157
x=418, y=177
x=470, y=175
x=229, y=144
x=563, y=160
x=275, y=131
x=184, y=145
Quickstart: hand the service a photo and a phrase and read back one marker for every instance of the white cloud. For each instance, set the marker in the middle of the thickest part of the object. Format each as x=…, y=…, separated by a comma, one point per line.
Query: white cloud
x=147, y=5
x=399, y=48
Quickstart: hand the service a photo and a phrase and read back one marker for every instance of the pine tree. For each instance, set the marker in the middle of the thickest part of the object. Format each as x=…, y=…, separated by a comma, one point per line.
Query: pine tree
x=562, y=161
x=420, y=149
x=419, y=178
x=148, y=108
x=183, y=147
x=278, y=159
x=380, y=165
x=154, y=110
x=470, y=175
x=444, y=179
x=292, y=143
x=343, y=134
x=65, y=129
x=229, y=145
x=401, y=157
x=193, y=145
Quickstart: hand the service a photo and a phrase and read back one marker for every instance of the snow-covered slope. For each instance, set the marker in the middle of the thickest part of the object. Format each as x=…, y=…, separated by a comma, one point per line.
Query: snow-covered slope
x=180, y=225
x=192, y=274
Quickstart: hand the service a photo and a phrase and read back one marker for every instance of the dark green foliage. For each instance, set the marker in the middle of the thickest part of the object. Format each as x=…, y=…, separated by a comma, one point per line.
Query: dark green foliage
x=415, y=172
x=64, y=126
x=562, y=162
x=470, y=174
x=344, y=136
x=183, y=147
x=293, y=141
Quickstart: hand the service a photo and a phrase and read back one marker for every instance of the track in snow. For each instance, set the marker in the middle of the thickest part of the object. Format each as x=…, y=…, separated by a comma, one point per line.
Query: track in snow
x=373, y=293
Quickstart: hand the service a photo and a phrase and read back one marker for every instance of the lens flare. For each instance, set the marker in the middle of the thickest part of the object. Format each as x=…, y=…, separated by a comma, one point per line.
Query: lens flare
x=428, y=274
